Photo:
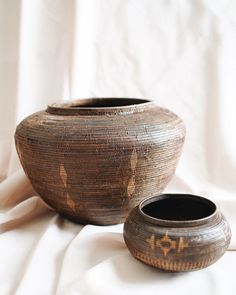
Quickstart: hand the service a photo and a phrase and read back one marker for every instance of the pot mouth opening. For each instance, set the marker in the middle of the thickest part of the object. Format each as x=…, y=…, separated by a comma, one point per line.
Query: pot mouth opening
x=178, y=209
x=106, y=102
x=96, y=106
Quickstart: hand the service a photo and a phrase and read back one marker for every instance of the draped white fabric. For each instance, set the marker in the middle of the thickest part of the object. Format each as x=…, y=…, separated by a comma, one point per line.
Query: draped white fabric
x=180, y=54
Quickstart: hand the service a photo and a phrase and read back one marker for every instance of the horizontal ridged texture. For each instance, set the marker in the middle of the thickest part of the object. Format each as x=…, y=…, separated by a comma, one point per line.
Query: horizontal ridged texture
x=176, y=249
x=95, y=167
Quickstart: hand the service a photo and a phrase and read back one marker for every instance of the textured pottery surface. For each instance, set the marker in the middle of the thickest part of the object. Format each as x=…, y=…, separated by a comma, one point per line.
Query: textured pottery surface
x=93, y=160
x=194, y=236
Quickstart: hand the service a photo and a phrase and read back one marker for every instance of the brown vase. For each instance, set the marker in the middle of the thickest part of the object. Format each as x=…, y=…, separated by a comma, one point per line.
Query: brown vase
x=177, y=232
x=93, y=160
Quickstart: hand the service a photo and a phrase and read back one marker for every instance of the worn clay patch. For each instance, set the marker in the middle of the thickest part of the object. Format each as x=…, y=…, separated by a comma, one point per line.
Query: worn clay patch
x=133, y=160
x=69, y=201
x=63, y=175
x=133, y=164
x=131, y=187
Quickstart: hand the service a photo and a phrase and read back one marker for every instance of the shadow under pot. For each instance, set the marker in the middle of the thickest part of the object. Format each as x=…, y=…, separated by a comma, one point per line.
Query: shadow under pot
x=176, y=232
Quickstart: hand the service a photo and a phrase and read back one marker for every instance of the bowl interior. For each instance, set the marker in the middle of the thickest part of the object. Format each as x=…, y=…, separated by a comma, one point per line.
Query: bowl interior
x=178, y=207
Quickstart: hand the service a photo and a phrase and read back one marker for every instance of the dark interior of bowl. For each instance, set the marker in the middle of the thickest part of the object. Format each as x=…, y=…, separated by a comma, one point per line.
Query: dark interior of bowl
x=106, y=102
x=179, y=207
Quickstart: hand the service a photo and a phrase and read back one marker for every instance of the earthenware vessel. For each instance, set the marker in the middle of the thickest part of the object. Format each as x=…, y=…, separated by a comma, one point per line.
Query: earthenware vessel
x=177, y=232
x=93, y=160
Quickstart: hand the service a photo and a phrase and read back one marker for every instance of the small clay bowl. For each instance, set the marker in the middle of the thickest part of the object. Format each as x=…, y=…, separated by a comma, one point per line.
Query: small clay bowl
x=177, y=232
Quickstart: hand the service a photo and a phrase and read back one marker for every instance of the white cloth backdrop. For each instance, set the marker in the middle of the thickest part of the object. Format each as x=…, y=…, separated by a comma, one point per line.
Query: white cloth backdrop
x=180, y=53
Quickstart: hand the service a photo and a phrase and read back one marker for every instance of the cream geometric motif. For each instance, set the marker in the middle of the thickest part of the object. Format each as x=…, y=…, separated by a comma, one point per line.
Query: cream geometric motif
x=182, y=244
x=151, y=241
x=166, y=244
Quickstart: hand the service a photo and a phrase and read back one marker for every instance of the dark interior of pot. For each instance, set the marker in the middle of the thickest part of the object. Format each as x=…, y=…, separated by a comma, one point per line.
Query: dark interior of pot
x=106, y=102
x=179, y=208
x=100, y=106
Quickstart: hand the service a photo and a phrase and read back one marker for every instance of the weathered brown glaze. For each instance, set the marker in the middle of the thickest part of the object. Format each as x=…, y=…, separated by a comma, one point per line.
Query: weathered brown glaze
x=93, y=160
x=177, y=232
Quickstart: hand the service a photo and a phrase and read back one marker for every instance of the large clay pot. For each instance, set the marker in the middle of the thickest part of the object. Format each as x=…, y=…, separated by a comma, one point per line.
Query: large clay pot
x=93, y=160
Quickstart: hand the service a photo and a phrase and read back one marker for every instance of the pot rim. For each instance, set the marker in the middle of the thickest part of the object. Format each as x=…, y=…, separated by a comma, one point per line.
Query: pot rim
x=179, y=223
x=100, y=106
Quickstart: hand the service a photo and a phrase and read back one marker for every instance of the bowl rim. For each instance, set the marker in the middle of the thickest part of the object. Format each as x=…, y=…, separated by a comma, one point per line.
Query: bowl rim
x=178, y=223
